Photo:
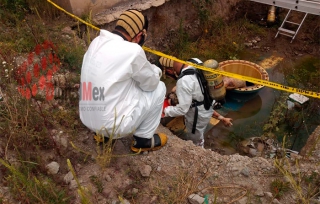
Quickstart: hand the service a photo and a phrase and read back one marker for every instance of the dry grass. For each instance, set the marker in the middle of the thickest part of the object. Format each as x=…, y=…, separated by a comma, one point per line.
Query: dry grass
x=178, y=189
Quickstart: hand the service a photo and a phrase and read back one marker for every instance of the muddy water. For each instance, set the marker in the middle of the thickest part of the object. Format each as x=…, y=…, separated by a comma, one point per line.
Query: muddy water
x=250, y=116
x=248, y=119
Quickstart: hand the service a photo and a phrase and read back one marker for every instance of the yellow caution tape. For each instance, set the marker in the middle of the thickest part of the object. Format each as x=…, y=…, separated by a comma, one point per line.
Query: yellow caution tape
x=237, y=76
x=215, y=71
x=73, y=16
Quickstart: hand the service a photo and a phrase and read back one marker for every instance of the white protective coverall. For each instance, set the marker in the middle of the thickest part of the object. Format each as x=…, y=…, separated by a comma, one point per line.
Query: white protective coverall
x=188, y=89
x=121, y=91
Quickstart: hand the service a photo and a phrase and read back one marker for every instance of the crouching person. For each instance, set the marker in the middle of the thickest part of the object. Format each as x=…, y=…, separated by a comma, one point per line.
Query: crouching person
x=191, y=105
x=121, y=91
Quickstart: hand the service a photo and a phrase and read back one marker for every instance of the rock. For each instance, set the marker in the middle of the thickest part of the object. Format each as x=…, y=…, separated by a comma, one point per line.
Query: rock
x=253, y=152
x=107, y=177
x=73, y=184
x=68, y=177
x=126, y=183
x=19, y=60
x=248, y=44
x=243, y=200
x=54, y=131
x=275, y=201
x=74, y=95
x=215, y=174
x=64, y=142
x=145, y=170
x=245, y=171
x=257, y=39
x=61, y=141
x=68, y=30
x=195, y=199
x=259, y=193
x=135, y=191
x=53, y=168
x=60, y=80
x=268, y=194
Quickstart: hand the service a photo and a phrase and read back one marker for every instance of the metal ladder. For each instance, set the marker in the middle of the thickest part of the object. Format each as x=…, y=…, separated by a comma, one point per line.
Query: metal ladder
x=287, y=32
x=306, y=6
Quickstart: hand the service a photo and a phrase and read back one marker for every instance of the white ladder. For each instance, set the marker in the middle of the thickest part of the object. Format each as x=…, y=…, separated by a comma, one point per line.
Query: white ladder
x=287, y=32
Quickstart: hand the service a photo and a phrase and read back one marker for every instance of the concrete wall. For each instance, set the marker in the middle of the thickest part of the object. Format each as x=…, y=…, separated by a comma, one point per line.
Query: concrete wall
x=85, y=6
x=108, y=9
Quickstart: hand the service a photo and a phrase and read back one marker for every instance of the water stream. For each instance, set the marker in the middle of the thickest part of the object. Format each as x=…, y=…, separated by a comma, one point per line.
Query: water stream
x=248, y=119
x=249, y=116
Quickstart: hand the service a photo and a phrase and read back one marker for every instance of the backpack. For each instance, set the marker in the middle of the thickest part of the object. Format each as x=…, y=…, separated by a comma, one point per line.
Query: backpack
x=207, y=99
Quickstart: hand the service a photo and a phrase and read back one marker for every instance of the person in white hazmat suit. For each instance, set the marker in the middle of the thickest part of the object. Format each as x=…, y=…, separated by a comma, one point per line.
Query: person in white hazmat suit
x=121, y=92
x=188, y=92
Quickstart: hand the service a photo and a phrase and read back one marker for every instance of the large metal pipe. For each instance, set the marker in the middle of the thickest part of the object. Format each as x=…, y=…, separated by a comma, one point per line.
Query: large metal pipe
x=307, y=6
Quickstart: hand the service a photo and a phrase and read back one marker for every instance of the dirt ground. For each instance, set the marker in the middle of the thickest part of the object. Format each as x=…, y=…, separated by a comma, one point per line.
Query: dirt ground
x=181, y=170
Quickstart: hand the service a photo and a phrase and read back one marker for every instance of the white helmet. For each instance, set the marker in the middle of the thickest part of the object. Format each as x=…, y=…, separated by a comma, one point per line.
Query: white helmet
x=195, y=61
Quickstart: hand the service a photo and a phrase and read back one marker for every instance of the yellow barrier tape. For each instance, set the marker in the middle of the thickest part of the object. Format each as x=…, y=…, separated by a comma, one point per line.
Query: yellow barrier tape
x=237, y=76
x=215, y=71
x=73, y=16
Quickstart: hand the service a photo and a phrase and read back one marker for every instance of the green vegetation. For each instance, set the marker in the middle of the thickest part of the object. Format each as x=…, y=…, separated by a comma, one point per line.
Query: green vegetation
x=219, y=39
x=305, y=73
x=16, y=11
x=30, y=48
x=28, y=23
x=304, y=185
x=30, y=186
x=277, y=117
x=301, y=120
x=279, y=187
